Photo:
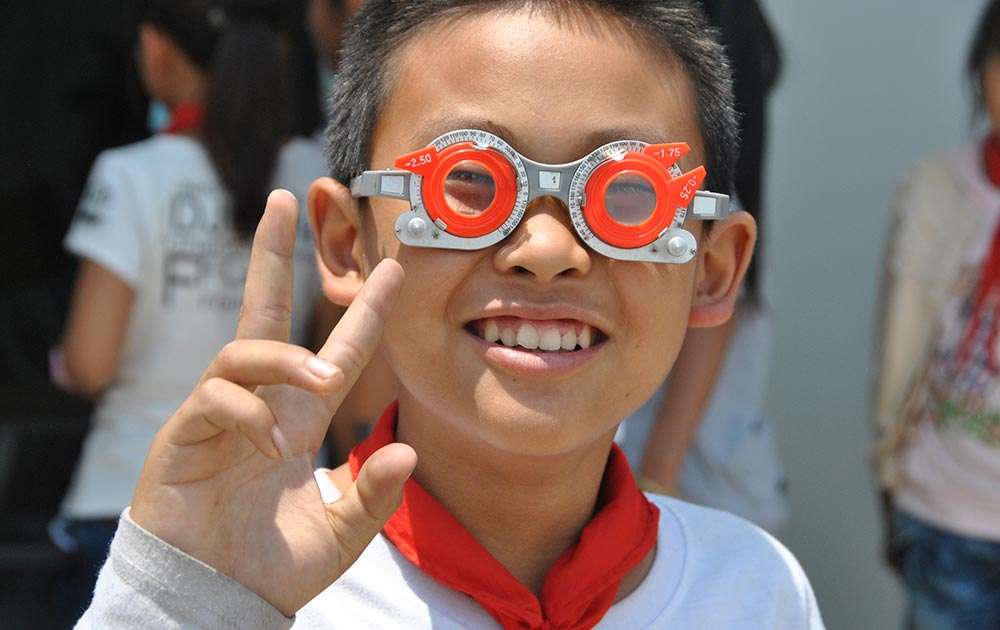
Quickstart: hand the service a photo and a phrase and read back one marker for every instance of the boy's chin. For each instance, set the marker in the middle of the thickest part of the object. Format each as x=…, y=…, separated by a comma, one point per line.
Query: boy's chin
x=542, y=432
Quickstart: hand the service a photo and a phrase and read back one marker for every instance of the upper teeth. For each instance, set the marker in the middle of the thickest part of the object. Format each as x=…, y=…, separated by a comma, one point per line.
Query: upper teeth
x=551, y=340
x=508, y=337
x=569, y=340
x=492, y=332
x=527, y=335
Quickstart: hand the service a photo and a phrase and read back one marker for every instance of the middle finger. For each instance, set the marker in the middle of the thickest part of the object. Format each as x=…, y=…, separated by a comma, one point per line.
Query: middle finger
x=255, y=362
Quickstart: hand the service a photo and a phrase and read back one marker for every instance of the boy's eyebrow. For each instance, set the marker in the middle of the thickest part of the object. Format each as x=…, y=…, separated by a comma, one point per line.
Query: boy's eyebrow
x=438, y=127
x=649, y=135
x=591, y=140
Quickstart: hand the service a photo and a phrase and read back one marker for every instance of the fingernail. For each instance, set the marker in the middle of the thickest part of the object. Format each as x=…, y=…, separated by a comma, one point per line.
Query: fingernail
x=281, y=443
x=321, y=368
x=280, y=191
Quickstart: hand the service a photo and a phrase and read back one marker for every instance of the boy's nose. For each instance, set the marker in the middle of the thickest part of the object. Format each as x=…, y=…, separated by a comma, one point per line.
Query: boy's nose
x=544, y=244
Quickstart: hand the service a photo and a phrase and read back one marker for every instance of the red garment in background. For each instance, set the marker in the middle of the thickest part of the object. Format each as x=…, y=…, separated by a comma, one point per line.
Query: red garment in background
x=987, y=297
x=185, y=117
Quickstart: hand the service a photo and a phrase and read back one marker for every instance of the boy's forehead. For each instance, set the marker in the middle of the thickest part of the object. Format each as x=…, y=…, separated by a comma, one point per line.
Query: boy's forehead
x=591, y=136
x=552, y=88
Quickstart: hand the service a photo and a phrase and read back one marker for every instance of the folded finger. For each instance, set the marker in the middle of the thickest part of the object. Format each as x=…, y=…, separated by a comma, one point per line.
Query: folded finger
x=218, y=405
x=255, y=362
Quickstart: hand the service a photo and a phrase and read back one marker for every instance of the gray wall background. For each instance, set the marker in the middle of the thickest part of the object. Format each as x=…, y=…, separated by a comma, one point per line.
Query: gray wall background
x=869, y=87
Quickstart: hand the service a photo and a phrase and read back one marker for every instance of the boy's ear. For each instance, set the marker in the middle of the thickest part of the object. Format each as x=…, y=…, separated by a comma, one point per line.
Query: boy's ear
x=335, y=220
x=727, y=250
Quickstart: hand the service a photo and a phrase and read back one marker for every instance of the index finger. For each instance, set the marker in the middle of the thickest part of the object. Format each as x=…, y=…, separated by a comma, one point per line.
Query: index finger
x=353, y=341
x=267, y=297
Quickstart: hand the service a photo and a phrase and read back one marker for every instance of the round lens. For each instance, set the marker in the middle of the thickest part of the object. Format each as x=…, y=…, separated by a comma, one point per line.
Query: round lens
x=469, y=188
x=630, y=198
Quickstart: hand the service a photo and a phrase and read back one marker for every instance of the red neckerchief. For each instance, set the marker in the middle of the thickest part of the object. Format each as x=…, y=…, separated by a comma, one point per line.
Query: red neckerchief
x=987, y=297
x=185, y=117
x=579, y=588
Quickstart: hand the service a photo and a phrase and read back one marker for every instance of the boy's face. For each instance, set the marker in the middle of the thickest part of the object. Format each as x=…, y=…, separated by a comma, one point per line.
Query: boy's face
x=555, y=92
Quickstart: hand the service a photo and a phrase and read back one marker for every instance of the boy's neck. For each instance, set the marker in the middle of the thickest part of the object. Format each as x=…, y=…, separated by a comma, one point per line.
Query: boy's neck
x=532, y=509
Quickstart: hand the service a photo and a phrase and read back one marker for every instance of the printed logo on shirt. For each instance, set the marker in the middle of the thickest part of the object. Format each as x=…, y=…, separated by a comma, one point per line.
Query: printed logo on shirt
x=204, y=264
x=96, y=197
x=955, y=392
x=205, y=261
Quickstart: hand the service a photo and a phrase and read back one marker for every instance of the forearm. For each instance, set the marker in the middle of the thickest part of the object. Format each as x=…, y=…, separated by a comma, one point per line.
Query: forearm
x=694, y=376
x=95, y=329
x=905, y=330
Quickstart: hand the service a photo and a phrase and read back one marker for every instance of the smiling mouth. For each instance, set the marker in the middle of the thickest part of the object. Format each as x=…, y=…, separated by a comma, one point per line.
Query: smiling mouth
x=544, y=336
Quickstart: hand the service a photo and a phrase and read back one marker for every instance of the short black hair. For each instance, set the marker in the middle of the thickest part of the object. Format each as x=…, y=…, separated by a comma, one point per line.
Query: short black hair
x=985, y=44
x=381, y=27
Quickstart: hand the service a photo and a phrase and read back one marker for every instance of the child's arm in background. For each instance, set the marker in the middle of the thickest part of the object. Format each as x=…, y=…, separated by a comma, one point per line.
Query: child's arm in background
x=109, y=236
x=913, y=288
x=326, y=314
x=692, y=382
x=95, y=328
x=915, y=285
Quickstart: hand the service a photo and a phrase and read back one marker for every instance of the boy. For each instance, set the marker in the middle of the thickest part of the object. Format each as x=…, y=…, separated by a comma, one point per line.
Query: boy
x=517, y=351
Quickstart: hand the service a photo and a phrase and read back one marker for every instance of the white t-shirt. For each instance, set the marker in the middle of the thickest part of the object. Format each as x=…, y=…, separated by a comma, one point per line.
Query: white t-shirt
x=951, y=470
x=711, y=570
x=155, y=214
x=733, y=463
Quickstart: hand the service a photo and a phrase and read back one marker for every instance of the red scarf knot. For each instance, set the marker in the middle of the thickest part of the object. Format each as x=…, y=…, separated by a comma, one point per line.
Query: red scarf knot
x=185, y=117
x=579, y=588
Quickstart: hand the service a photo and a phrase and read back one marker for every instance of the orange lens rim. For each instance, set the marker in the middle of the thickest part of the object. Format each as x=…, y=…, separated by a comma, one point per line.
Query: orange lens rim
x=504, y=198
x=619, y=234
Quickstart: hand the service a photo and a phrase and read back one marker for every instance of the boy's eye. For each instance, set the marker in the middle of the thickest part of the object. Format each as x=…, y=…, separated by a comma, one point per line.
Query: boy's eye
x=469, y=189
x=630, y=199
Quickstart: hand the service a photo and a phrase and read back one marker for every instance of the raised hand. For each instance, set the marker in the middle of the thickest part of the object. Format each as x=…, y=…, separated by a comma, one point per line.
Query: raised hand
x=229, y=477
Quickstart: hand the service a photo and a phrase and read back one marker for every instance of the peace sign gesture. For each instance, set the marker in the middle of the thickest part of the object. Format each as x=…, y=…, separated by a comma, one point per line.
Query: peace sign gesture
x=229, y=477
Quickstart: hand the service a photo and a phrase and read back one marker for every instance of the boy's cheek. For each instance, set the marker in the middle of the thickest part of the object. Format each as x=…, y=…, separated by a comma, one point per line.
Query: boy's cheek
x=377, y=236
x=655, y=306
x=429, y=358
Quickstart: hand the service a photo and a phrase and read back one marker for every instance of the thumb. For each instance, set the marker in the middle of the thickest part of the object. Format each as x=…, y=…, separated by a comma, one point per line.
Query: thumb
x=371, y=500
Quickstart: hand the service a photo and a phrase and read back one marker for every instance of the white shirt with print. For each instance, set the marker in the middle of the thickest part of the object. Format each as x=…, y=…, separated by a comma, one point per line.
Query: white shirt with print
x=155, y=215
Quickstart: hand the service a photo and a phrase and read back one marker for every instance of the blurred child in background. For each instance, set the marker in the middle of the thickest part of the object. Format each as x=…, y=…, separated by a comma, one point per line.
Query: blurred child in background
x=703, y=436
x=938, y=395
x=327, y=19
x=163, y=232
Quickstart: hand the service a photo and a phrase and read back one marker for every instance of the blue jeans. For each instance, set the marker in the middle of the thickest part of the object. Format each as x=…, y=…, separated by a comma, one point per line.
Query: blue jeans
x=86, y=542
x=953, y=582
